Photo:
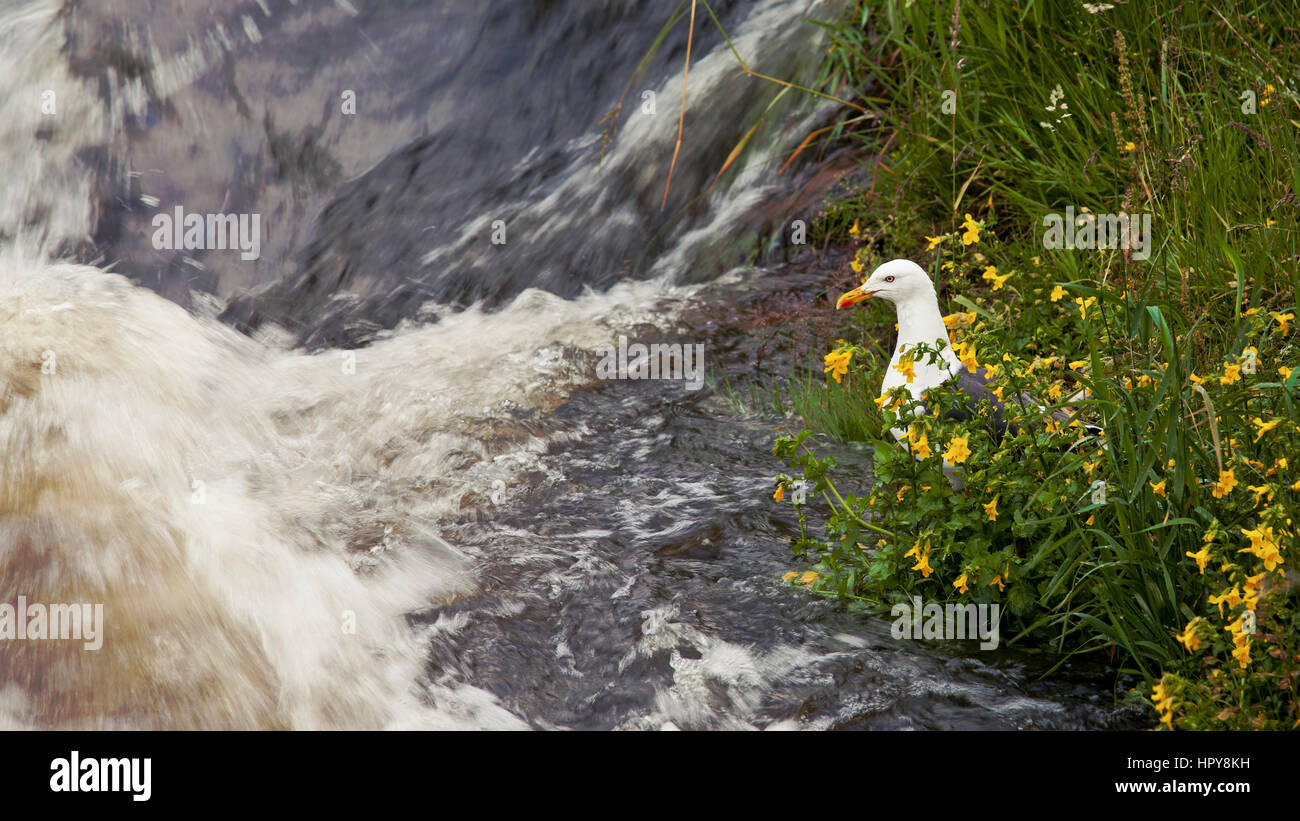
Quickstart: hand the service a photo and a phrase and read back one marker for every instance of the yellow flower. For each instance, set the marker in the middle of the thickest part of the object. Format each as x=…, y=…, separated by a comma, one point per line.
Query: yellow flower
x=1250, y=590
x=893, y=401
x=934, y=241
x=1055, y=391
x=856, y=266
x=1202, y=558
x=966, y=353
x=1057, y=293
x=780, y=493
x=923, y=563
x=1129, y=146
x=1263, y=544
x=1158, y=488
x=922, y=447
x=1231, y=373
x=1090, y=519
x=1242, y=654
x=1285, y=372
x=991, y=274
x=958, y=451
x=853, y=232
x=991, y=509
x=1163, y=703
x=1227, y=481
x=1084, y=305
x=837, y=363
x=1196, y=380
x=1189, y=638
x=1264, y=427
x=1232, y=598
x=788, y=576
x=1267, y=96
x=920, y=444
x=808, y=577
x=959, y=320
x=1259, y=491
x=1239, y=636
x=960, y=584
x=1282, y=320
x=906, y=368
x=971, y=234
x=998, y=581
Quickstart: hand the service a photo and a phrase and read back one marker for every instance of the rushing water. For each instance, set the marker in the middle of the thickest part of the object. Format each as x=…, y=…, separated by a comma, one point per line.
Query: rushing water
x=370, y=479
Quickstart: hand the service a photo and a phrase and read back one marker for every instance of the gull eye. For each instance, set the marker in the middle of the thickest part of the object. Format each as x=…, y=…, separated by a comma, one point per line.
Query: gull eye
x=889, y=279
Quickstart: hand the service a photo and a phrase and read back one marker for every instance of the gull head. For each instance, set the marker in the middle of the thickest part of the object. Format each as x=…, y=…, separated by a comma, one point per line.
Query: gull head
x=898, y=281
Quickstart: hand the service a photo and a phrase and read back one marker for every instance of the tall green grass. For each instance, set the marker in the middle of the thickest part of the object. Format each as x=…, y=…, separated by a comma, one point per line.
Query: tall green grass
x=971, y=103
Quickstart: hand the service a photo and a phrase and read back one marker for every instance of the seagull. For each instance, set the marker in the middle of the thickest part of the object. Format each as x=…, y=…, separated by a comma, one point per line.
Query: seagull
x=906, y=284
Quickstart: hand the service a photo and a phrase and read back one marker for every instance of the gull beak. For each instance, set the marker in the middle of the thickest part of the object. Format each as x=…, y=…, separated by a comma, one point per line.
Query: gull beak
x=856, y=295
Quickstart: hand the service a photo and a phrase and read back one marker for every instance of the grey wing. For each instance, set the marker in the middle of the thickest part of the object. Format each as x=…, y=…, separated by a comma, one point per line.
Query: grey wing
x=976, y=387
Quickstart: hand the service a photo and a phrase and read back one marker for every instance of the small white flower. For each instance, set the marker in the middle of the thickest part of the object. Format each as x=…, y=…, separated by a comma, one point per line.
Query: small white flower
x=1056, y=100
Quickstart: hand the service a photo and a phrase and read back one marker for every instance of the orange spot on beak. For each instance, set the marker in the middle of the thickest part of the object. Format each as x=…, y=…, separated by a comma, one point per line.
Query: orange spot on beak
x=856, y=295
